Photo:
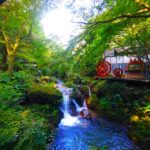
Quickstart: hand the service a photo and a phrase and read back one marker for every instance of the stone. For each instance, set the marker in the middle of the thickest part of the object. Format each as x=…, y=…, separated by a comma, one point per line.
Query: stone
x=84, y=113
x=92, y=102
x=43, y=94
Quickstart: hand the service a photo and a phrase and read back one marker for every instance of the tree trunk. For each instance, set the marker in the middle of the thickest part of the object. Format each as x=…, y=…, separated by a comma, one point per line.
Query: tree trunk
x=11, y=62
x=4, y=58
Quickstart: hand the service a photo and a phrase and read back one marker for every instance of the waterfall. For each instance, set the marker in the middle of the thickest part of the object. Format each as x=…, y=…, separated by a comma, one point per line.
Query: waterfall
x=89, y=91
x=68, y=119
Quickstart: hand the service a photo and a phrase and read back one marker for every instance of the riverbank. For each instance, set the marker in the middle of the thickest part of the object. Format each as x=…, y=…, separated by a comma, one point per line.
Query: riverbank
x=29, y=111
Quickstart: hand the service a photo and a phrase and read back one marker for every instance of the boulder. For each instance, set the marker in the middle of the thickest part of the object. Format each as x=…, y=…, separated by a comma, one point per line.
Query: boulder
x=84, y=89
x=44, y=94
x=92, y=102
x=84, y=113
x=76, y=94
x=80, y=93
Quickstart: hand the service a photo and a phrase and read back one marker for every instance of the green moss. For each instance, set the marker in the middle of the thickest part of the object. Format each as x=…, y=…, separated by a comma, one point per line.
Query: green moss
x=44, y=93
x=70, y=84
x=99, y=85
x=85, y=90
x=93, y=102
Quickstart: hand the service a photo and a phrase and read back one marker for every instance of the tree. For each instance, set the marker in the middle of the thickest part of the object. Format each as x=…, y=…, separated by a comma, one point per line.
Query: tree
x=17, y=21
x=112, y=28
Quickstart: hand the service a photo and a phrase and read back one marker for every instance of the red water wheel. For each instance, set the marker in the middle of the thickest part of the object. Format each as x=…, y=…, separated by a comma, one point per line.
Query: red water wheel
x=103, y=68
x=118, y=72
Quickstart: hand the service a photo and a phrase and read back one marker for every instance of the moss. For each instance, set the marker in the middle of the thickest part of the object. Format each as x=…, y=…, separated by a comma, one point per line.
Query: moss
x=85, y=90
x=140, y=134
x=92, y=102
x=99, y=86
x=44, y=94
x=70, y=84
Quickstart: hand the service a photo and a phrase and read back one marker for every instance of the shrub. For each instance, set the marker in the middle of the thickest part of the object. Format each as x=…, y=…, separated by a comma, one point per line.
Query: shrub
x=26, y=128
x=13, y=87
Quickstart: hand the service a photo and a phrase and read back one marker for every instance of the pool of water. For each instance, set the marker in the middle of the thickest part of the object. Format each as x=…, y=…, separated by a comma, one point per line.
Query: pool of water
x=95, y=134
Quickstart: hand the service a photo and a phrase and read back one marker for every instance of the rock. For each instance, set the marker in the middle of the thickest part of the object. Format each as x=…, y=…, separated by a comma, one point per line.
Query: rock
x=72, y=109
x=84, y=90
x=44, y=94
x=80, y=93
x=92, y=102
x=45, y=79
x=76, y=94
x=134, y=118
x=147, y=98
x=54, y=119
x=84, y=113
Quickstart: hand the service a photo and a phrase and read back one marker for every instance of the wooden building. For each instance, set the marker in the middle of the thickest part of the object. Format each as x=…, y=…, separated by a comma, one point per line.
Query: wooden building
x=115, y=65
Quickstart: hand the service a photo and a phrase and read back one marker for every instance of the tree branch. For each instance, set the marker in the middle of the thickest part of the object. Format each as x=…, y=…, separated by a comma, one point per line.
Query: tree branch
x=6, y=42
x=16, y=44
x=113, y=19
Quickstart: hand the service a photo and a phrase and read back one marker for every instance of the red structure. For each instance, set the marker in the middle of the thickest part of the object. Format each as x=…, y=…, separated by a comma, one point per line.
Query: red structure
x=124, y=67
x=118, y=72
x=103, y=68
x=135, y=65
x=135, y=68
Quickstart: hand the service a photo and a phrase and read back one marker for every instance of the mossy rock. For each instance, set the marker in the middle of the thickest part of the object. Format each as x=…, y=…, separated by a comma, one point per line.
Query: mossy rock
x=85, y=90
x=80, y=93
x=53, y=79
x=78, y=96
x=98, y=87
x=92, y=102
x=70, y=84
x=147, y=98
x=48, y=79
x=44, y=94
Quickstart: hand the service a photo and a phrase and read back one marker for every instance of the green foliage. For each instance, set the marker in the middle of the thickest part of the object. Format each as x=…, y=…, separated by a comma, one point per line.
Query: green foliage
x=12, y=87
x=105, y=104
x=128, y=104
x=118, y=33
x=9, y=95
x=23, y=129
x=118, y=100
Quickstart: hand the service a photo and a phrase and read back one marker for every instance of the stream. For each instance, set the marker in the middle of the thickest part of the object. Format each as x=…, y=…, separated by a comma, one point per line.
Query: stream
x=78, y=133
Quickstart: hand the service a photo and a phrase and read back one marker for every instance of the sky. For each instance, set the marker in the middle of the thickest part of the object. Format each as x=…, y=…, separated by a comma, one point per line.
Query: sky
x=59, y=22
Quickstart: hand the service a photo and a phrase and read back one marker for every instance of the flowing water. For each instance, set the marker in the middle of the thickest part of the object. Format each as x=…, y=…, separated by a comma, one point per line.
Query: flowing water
x=76, y=133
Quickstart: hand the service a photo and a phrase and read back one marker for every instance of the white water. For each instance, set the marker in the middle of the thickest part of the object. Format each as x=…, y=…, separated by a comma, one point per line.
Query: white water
x=68, y=119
